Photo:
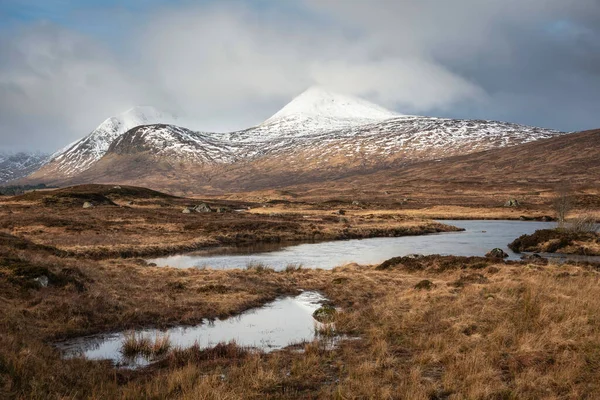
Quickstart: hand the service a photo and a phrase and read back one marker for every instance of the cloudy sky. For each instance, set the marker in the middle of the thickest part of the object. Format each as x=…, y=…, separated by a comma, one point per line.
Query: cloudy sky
x=66, y=65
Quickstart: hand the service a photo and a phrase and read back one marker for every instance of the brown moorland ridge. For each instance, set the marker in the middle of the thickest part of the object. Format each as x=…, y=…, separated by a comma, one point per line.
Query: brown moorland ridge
x=530, y=171
x=547, y=158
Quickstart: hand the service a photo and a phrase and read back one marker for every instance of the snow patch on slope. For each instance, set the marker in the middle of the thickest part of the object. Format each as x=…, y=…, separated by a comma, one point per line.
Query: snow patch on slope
x=18, y=165
x=80, y=155
x=316, y=110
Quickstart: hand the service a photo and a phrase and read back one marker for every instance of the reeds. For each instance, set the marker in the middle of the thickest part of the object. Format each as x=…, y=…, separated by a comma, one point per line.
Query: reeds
x=136, y=344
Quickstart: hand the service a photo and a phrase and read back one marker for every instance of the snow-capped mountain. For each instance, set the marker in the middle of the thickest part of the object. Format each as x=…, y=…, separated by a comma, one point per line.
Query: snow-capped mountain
x=317, y=110
x=80, y=155
x=173, y=143
x=18, y=165
x=317, y=131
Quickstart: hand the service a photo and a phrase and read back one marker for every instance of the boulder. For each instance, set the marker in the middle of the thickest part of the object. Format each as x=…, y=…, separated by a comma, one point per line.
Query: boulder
x=415, y=256
x=42, y=280
x=512, y=203
x=203, y=208
x=87, y=204
x=186, y=210
x=496, y=253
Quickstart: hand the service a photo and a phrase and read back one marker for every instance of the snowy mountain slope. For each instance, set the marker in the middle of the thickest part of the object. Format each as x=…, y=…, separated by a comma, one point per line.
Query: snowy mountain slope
x=81, y=154
x=318, y=133
x=174, y=143
x=316, y=110
x=411, y=138
x=18, y=165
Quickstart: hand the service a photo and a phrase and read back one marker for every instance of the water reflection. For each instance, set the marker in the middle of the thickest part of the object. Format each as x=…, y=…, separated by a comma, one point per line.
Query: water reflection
x=285, y=321
x=478, y=238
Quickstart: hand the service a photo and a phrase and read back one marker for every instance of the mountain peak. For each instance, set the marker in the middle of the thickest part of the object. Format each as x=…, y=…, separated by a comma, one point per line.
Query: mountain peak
x=324, y=106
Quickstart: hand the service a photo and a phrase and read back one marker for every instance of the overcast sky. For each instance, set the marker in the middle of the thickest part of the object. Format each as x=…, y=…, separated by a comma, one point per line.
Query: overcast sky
x=67, y=65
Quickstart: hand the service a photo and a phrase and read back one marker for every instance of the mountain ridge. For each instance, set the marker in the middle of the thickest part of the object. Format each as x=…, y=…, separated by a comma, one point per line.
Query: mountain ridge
x=318, y=132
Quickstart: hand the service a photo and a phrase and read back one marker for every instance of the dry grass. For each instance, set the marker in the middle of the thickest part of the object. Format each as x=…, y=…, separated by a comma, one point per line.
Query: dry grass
x=479, y=329
x=484, y=329
x=135, y=344
x=153, y=227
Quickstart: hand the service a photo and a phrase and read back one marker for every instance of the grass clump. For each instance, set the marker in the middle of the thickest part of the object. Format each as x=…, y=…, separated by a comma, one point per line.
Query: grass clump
x=136, y=344
x=293, y=267
x=259, y=268
x=325, y=313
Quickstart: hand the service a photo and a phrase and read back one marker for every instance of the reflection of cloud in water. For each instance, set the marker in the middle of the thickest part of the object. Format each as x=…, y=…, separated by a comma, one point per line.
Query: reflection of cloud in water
x=278, y=324
x=477, y=240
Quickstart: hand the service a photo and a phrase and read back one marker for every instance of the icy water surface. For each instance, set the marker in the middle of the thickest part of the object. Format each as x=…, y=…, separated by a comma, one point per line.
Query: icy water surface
x=478, y=238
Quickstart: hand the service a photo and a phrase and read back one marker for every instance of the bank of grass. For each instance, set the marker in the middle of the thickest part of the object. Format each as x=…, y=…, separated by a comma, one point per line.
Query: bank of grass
x=154, y=227
x=559, y=240
x=484, y=329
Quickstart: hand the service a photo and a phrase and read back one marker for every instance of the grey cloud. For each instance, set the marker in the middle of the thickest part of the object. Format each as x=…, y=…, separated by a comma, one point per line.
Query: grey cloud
x=229, y=66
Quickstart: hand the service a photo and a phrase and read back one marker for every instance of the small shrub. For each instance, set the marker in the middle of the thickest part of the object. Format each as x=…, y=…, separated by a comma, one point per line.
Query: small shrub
x=425, y=284
x=325, y=313
x=584, y=224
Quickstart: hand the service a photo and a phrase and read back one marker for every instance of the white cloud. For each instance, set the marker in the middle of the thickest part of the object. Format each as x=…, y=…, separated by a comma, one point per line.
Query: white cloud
x=228, y=65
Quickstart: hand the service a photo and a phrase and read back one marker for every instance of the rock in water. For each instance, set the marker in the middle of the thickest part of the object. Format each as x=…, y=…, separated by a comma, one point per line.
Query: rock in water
x=496, y=253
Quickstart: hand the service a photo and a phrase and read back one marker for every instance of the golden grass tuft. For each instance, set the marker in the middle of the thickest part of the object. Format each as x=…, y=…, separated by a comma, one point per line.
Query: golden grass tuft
x=135, y=344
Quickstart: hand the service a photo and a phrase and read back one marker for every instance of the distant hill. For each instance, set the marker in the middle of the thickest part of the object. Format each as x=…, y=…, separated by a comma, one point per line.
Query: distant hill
x=318, y=136
x=531, y=170
x=18, y=165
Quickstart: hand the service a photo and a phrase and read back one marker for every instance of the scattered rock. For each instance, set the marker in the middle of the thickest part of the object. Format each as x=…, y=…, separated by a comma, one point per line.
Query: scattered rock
x=187, y=210
x=512, y=203
x=496, y=253
x=130, y=203
x=42, y=280
x=221, y=210
x=356, y=203
x=117, y=187
x=340, y=212
x=415, y=256
x=203, y=208
x=87, y=204
x=425, y=284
